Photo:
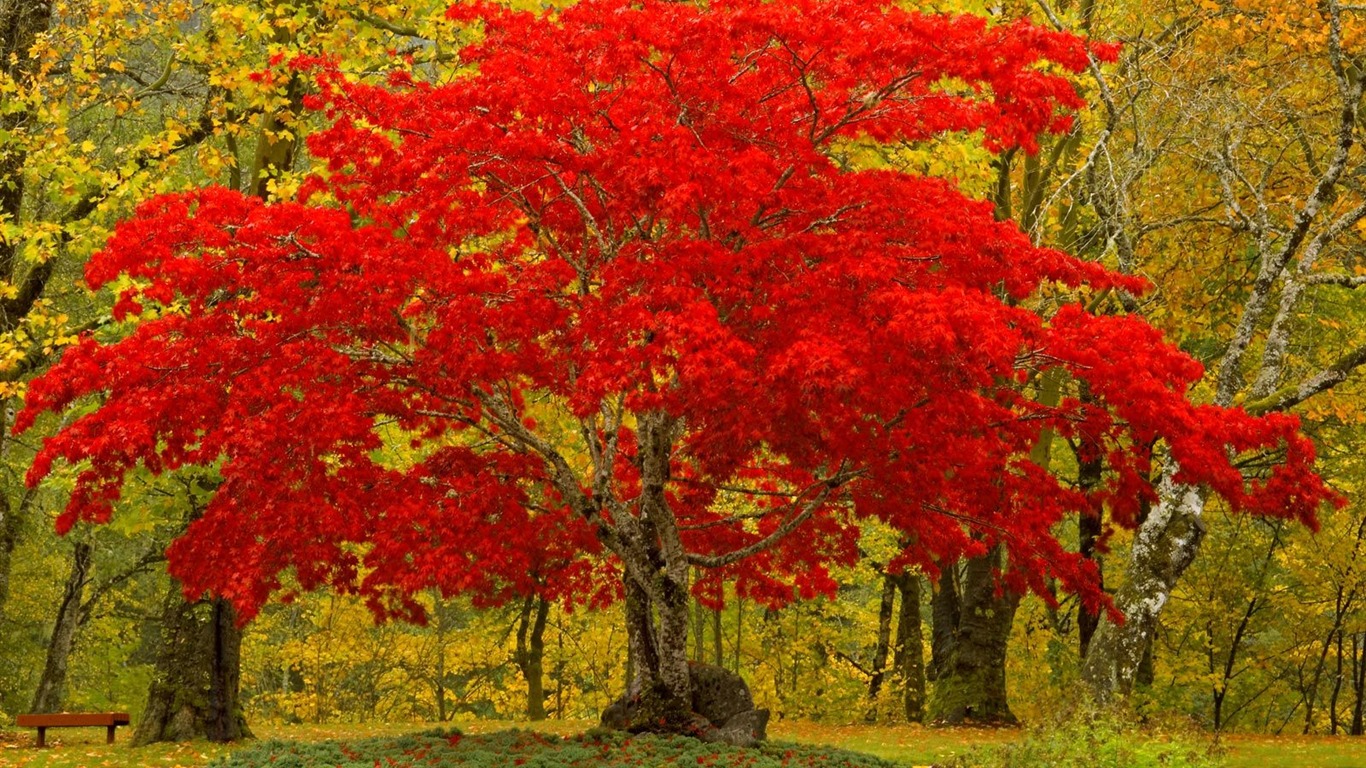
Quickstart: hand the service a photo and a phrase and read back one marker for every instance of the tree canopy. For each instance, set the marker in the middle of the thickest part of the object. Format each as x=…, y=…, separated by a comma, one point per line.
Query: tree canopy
x=618, y=284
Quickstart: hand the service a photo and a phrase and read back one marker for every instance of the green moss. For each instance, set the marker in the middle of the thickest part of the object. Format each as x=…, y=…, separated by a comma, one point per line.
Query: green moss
x=529, y=749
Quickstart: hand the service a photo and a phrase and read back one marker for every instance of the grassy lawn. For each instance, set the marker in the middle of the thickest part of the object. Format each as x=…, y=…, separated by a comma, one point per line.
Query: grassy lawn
x=910, y=745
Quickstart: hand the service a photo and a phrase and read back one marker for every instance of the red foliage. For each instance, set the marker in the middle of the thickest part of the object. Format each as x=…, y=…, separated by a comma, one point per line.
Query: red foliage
x=634, y=204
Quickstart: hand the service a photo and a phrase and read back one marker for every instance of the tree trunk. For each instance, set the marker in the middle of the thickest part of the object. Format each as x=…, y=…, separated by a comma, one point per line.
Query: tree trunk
x=51, y=693
x=881, y=646
x=1164, y=547
x=970, y=686
x=1089, y=529
x=699, y=632
x=195, y=688
x=11, y=524
x=1337, y=690
x=739, y=629
x=909, y=658
x=1358, y=684
x=9, y=539
x=945, y=611
x=21, y=21
x=719, y=659
x=658, y=639
x=530, y=654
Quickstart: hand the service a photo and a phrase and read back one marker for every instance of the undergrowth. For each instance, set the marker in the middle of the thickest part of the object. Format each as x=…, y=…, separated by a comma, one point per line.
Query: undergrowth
x=595, y=749
x=1090, y=737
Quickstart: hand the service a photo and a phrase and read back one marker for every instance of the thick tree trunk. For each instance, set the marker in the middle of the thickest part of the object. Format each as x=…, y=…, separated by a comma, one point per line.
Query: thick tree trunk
x=51, y=693
x=530, y=654
x=194, y=693
x=1163, y=549
x=970, y=686
x=658, y=639
x=881, y=646
x=909, y=658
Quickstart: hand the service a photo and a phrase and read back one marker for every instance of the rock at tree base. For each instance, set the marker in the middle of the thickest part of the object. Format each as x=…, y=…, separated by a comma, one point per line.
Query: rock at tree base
x=721, y=701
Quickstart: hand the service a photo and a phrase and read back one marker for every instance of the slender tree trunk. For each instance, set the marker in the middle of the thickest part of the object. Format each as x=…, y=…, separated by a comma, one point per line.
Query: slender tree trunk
x=195, y=688
x=717, y=649
x=970, y=686
x=10, y=525
x=739, y=629
x=881, y=645
x=442, y=617
x=1359, y=684
x=21, y=21
x=1089, y=530
x=530, y=654
x=699, y=631
x=909, y=658
x=1337, y=690
x=51, y=693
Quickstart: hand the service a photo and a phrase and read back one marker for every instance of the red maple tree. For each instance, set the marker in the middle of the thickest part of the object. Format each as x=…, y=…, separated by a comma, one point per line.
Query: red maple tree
x=615, y=286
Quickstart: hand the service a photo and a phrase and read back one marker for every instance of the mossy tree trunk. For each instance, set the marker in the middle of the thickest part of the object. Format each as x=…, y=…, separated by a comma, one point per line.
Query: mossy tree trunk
x=970, y=673
x=195, y=690
x=909, y=658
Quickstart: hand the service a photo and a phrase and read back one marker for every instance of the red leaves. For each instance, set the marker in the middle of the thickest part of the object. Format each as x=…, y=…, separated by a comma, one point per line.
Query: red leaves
x=632, y=207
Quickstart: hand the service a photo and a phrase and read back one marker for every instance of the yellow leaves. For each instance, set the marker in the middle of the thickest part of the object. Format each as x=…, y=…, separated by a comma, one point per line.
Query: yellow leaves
x=213, y=161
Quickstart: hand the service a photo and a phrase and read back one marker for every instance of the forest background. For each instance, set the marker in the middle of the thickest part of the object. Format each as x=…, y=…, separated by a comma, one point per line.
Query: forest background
x=1220, y=125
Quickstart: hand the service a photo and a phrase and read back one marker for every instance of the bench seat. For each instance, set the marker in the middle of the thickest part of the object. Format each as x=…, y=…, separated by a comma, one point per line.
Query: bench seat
x=109, y=720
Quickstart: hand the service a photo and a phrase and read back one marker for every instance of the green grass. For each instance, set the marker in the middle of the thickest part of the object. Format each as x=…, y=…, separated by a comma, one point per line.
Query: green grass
x=906, y=745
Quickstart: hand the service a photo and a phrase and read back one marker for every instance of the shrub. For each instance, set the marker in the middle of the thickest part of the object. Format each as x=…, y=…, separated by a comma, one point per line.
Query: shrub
x=1097, y=738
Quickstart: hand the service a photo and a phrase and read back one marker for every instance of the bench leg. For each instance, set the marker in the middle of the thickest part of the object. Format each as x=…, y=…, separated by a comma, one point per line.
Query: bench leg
x=109, y=738
x=42, y=736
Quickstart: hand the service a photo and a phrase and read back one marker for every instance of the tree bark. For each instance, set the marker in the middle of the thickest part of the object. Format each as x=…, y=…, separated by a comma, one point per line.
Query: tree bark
x=1090, y=527
x=1358, y=684
x=12, y=519
x=718, y=655
x=530, y=656
x=21, y=21
x=881, y=646
x=945, y=611
x=71, y=613
x=970, y=686
x=1337, y=690
x=1165, y=546
x=195, y=688
x=909, y=658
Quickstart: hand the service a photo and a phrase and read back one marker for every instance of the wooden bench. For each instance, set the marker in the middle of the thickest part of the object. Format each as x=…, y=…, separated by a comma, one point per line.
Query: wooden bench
x=110, y=720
